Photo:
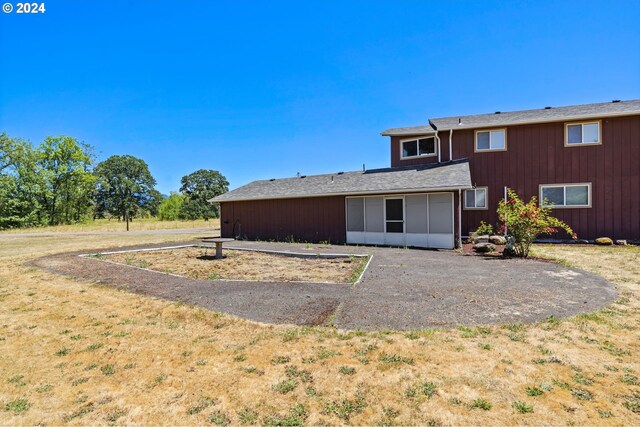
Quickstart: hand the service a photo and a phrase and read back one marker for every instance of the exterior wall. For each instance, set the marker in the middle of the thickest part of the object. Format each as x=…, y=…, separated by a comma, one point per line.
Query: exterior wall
x=310, y=219
x=397, y=161
x=536, y=155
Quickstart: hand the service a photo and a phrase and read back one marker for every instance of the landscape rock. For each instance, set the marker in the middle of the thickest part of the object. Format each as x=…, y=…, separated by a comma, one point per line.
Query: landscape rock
x=621, y=242
x=484, y=247
x=481, y=239
x=581, y=241
x=498, y=240
x=604, y=241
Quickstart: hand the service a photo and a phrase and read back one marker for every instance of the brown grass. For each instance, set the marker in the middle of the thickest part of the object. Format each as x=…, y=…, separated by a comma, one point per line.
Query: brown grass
x=76, y=353
x=243, y=265
x=113, y=225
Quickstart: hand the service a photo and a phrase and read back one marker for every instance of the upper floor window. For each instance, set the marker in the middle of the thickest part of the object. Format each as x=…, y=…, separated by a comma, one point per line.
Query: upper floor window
x=566, y=195
x=475, y=198
x=577, y=134
x=418, y=147
x=491, y=140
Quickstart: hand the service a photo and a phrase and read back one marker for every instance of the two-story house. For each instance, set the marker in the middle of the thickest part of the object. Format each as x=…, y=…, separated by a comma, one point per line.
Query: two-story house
x=449, y=174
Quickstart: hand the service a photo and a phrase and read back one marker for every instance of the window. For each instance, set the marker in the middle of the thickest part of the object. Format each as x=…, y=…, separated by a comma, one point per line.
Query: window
x=577, y=134
x=491, y=140
x=566, y=195
x=394, y=215
x=476, y=198
x=418, y=147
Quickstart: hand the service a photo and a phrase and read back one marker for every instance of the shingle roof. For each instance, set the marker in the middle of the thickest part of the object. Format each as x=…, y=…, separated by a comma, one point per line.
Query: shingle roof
x=574, y=112
x=449, y=176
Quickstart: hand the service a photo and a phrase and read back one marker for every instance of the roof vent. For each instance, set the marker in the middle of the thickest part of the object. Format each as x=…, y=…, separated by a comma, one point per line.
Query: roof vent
x=459, y=122
x=616, y=100
x=497, y=112
x=547, y=108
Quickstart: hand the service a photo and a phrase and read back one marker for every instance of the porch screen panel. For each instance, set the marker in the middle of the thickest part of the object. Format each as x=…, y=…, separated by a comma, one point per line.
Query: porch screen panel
x=440, y=213
x=355, y=214
x=375, y=214
x=416, y=216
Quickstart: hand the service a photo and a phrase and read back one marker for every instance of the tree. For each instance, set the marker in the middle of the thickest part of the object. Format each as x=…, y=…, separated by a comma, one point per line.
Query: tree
x=125, y=186
x=199, y=187
x=63, y=165
x=19, y=184
x=170, y=208
x=524, y=222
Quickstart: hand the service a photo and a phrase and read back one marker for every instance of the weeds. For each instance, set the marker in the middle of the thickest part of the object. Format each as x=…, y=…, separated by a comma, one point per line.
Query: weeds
x=247, y=416
x=108, y=370
x=285, y=386
x=522, y=407
x=481, y=404
x=219, y=418
x=203, y=404
x=17, y=406
x=347, y=370
x=346, y=408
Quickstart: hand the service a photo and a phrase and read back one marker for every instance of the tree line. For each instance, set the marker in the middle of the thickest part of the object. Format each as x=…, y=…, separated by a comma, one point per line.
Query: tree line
x=59, y=182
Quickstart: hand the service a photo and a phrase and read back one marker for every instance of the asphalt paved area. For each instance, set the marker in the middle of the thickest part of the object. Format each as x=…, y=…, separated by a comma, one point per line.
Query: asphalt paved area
x=401, y=289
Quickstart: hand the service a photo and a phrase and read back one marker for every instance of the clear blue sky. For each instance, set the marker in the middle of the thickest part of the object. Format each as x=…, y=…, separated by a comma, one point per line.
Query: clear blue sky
x=267, y=88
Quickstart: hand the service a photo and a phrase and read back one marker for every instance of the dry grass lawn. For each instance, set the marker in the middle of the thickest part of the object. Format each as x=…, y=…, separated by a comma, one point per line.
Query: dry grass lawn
x=75, y=353
x=114, y=225
x=244, y=265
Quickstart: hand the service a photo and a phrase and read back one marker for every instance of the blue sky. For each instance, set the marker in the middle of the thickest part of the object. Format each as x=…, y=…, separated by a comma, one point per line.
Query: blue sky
x=266, y=89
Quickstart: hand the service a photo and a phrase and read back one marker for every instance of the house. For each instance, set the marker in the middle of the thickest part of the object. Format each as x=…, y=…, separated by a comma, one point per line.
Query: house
x=449, y=174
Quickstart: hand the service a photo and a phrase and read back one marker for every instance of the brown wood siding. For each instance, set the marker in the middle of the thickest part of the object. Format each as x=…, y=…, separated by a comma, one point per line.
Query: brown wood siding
x=395, y=153
x=310, y=219
x=536, y=155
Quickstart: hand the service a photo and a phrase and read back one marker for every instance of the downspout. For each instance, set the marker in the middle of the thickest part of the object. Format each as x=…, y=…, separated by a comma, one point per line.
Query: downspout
x=450, y=144
x=437, y=139
x=459, y=218
x=505, y=218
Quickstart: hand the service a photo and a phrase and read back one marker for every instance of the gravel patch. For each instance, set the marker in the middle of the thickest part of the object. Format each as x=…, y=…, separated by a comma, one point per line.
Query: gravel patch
x=401, y=289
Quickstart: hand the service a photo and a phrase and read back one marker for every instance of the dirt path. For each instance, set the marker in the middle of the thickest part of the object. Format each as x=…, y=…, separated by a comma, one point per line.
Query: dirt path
x=214, y=232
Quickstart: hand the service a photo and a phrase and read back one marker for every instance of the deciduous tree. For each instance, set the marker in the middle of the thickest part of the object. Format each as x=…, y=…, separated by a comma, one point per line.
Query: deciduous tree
x=125, y=186
x=199, y=187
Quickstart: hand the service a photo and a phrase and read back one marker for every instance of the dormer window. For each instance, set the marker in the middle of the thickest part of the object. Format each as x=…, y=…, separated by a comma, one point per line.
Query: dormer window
x=418, y=147
x=491, y=140
x=586, y=133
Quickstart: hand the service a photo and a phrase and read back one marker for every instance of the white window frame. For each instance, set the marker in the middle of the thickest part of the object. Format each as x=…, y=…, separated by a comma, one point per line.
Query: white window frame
x=582, y=144
x=564, y=186
x=416, y=139
x=484, y=150
x=486, y=199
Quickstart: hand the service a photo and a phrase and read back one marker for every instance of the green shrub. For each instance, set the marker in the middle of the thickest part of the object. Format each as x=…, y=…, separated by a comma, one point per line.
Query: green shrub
x=524, y=222
x=170, y=207
x=483, y=229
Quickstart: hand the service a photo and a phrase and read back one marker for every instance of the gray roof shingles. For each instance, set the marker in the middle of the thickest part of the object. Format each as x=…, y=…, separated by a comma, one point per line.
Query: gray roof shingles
x=575, y=112
x=452, y=175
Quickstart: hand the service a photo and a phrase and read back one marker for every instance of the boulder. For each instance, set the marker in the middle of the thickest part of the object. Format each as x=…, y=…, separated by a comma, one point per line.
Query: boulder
x=498, y=240
x=481, y=239
x=484, y=247
x=621, y=242
x=604, y=241
x=581, y=241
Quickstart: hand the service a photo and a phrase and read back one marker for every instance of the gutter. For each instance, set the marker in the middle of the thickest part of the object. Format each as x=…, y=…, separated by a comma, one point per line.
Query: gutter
x=358, y=193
